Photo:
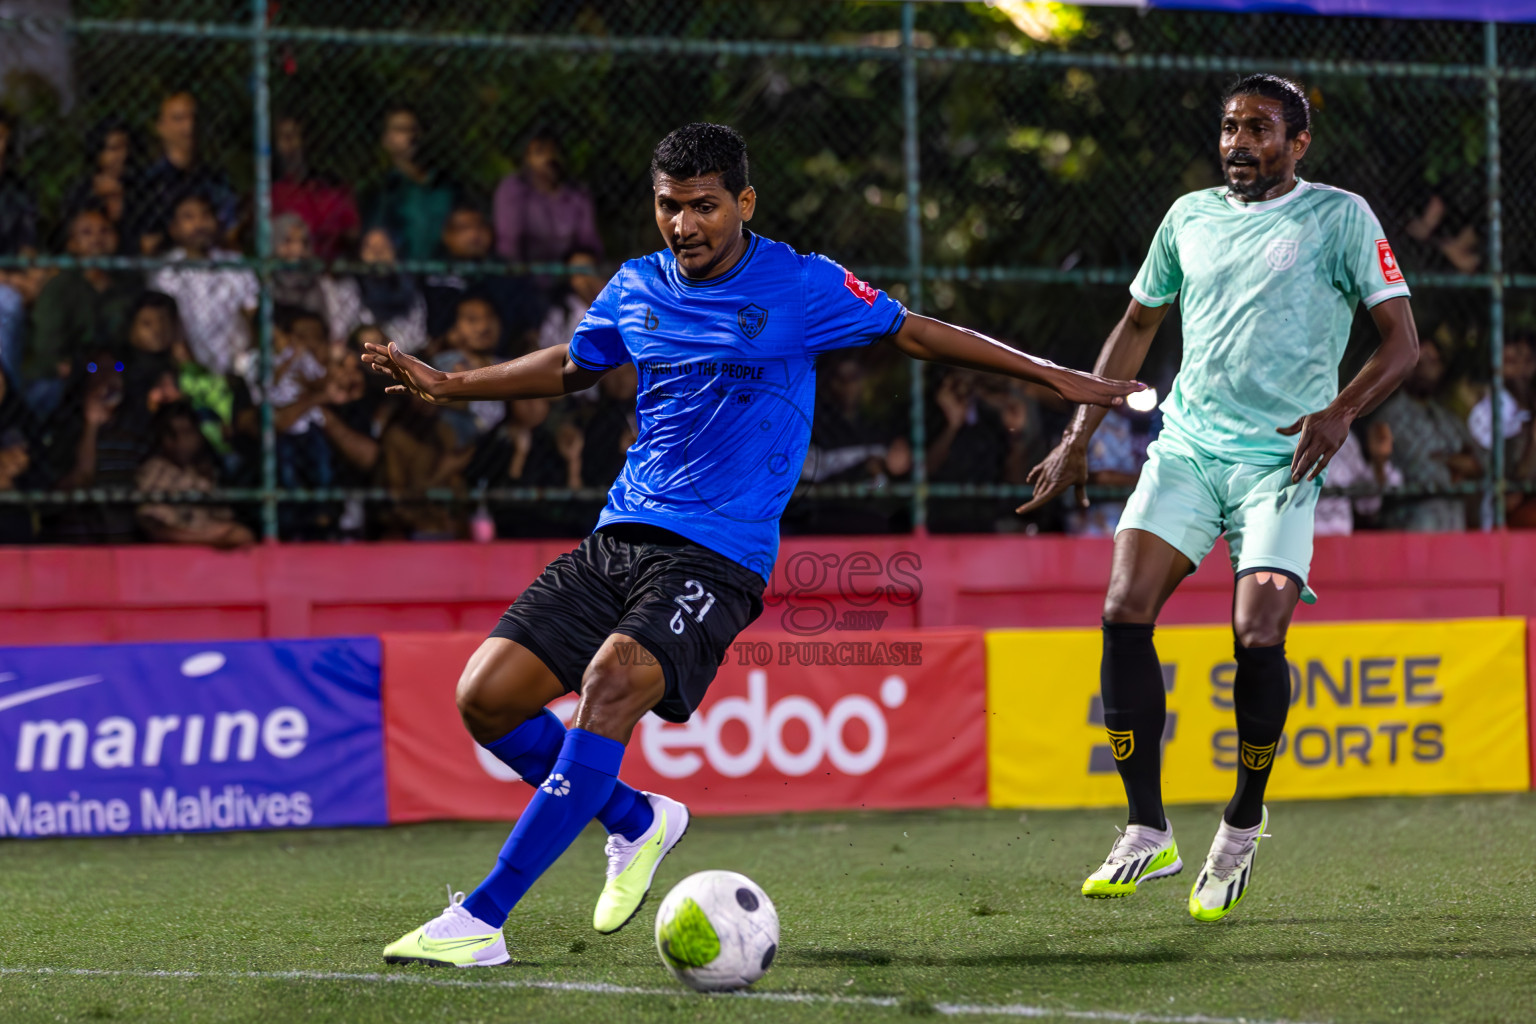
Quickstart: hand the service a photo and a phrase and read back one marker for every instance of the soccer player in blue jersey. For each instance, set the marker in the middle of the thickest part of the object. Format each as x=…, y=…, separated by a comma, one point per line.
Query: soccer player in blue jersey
x=724, y=327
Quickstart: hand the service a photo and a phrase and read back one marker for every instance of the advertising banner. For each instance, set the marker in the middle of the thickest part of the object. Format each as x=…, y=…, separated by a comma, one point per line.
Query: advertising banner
x=1455, y=10
x=790, y=723
x=1377, y=709
x=1530, y=703
x=183, y=737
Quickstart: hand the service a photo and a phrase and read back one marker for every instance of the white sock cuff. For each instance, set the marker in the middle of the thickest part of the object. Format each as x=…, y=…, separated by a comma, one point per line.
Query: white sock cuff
x=1242, y=833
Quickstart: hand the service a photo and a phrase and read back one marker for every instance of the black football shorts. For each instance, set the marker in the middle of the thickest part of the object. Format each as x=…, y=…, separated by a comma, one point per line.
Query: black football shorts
x=682, y=602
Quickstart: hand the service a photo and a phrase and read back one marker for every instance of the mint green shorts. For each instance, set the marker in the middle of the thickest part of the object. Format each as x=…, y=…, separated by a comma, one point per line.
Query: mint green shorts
x=1189, y=500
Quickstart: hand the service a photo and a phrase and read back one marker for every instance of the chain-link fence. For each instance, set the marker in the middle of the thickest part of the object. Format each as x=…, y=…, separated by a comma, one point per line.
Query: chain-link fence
x=206, y=206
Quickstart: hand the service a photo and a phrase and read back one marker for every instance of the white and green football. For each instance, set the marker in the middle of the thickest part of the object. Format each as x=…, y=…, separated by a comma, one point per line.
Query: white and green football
x=716, y=931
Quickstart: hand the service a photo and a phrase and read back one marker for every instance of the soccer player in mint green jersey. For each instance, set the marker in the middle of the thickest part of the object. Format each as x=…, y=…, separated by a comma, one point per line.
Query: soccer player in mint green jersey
x=1269, y=270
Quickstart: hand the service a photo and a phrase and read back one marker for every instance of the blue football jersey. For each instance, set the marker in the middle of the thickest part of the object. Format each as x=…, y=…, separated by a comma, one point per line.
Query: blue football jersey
x=727, y=385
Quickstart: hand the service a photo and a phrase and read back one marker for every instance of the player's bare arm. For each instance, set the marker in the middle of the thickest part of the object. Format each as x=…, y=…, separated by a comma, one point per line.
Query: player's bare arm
x=1323, y=432
x=1121, y=357
x=547, y=373
x=933, y=340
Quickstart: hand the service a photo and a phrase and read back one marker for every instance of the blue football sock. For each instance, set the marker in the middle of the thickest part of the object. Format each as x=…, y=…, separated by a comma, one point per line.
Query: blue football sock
x=580, y=784
x=531, y=749
x=626, y=812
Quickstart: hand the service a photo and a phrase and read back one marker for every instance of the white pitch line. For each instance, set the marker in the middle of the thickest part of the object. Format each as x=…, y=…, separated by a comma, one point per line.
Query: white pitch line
x=603, y=988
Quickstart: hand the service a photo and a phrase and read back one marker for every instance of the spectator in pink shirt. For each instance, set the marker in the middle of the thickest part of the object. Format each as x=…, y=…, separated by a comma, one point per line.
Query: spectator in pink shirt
x=540, y=216
x=322, y=202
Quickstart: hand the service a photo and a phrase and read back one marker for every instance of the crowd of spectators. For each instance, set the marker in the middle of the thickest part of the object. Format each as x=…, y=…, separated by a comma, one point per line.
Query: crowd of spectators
x=145, y=389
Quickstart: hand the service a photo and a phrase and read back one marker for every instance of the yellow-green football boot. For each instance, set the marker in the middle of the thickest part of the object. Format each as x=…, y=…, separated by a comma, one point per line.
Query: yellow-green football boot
x=1223, y=881
x=455, y=938
x=632, y=864
x=1141, y=854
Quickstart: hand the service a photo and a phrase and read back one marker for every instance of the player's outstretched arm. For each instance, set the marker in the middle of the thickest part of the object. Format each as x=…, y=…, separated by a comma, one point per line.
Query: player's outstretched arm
x=1323, y=433
x=924, y=338
x=1122, y=355
x=547, y=373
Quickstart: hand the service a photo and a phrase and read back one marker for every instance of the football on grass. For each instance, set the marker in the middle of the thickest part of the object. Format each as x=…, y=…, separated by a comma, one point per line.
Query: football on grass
x=716, y=931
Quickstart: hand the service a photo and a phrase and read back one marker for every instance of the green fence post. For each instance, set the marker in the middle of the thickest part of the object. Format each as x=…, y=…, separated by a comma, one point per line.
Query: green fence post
x=262, y=98
x=1496, y=275
x=914, y=257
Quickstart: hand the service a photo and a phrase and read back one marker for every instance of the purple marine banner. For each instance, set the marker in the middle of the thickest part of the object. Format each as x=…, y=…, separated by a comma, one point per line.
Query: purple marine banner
x=121, y=739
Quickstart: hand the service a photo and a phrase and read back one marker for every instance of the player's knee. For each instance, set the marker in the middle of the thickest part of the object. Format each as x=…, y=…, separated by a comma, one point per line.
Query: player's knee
x=476, y=698
x=492, y=704
x=1123, y=606
x=1258, y=630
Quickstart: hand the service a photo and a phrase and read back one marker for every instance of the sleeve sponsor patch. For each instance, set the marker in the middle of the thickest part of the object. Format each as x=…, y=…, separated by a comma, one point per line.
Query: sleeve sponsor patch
x=1390, y=271
x=868, y=292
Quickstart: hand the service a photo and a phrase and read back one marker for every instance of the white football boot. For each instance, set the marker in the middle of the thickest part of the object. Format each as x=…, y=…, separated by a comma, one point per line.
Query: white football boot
x=1223, y=880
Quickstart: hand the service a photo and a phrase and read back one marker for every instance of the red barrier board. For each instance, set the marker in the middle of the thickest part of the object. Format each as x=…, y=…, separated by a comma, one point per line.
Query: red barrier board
x=791, y=723
x=91, y=595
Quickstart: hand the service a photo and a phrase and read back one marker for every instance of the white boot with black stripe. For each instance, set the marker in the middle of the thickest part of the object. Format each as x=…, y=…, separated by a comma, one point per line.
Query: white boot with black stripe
x=1227, y=872
x=1141, y=854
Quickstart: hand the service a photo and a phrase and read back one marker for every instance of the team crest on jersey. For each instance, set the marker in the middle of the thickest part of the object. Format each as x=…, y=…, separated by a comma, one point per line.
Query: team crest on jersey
x=1281, y=254
x=1390, y=271
x=753, y=319
x=867, y=292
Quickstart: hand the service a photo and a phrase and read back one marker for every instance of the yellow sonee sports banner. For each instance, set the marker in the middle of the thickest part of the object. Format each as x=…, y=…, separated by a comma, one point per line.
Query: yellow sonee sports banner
x=1379, y=708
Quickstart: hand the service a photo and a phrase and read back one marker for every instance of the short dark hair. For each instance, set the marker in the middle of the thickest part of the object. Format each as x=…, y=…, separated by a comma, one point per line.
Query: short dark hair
x=466, y=204
x=701, y=148
x=165, y=304
x=192, y=196
x=96, y=138
x=398, y=107
x=541, y=132
x=170, y=413
x=155, y=300
x=92, y=206
x=286, y=318
x=1293, y=99
x=476, y=296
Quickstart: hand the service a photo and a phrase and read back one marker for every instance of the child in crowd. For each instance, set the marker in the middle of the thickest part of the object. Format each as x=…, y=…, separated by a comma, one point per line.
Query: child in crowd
x=183, y=463
x=473, y=340
x=419, y=452
x=525, y=451
x=383, y=298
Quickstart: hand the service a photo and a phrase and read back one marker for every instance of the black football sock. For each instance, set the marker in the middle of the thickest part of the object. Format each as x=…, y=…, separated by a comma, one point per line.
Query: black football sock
x=1261, y=695
x=1135, y=709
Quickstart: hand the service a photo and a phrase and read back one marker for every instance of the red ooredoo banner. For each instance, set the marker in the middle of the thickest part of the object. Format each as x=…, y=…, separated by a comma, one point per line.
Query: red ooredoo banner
x=790, y=724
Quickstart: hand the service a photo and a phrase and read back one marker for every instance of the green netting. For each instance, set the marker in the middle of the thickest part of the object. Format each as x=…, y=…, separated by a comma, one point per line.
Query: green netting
x=1015, y=194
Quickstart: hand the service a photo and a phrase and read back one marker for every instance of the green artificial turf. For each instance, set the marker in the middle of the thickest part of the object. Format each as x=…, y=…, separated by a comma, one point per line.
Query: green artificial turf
x=1371, y=910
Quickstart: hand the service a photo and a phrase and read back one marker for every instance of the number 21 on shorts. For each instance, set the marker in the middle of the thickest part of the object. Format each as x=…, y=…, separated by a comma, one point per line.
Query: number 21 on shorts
x=687, y=600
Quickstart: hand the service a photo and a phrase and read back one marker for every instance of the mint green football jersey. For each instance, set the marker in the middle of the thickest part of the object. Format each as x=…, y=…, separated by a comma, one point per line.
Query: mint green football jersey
x=1267, y=292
